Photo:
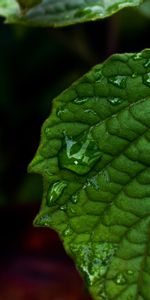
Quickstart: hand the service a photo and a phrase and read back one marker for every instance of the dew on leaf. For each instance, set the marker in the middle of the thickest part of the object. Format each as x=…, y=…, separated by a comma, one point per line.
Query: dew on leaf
x=67, y=231
x=81, y=100
x=118, y=81
x=130, y=272
x=90, y=11
x=137, y=56
x=98, y=75
x=134, y=75
x=43, y=220
x=63, y=207
x=120, y=279
x=147, y=64
x=93, y=181
x=79, y=155
x=47, y=131
x=146, y=79
x=115, y=101
x=93, y=259
x=60, y=112
x=90, y=111
x=55, y=191
x=75, y=198
x=72, y=210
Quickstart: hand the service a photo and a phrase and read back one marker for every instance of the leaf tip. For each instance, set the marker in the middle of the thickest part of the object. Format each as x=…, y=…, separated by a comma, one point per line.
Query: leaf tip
x=34, y=165
x=42, y=220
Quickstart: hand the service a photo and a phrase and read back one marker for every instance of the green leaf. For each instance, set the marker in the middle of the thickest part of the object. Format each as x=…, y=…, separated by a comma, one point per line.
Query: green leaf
x=61, y=13
x=145, y=8
x=25, y=5
x=94, y=156
x=9, y=8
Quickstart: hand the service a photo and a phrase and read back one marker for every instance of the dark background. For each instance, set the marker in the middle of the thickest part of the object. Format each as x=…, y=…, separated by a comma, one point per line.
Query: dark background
x=35, y=66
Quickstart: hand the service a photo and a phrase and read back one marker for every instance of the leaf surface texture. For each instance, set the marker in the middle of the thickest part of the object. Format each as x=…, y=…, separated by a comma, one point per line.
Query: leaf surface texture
x=60, y=12
x=94, y=156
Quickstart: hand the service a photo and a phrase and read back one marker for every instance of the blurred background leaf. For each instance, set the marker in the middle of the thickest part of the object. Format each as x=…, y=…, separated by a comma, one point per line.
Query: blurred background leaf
x=145, y=8
x=60, y=12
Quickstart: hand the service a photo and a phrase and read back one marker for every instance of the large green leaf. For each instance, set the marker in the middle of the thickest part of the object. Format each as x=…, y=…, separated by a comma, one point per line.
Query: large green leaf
x=61, y=12
x=94, y=156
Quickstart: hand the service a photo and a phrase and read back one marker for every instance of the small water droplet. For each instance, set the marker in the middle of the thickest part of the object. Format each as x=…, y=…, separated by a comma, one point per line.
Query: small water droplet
x=115, y=101
x=90, y=11
x=60, y=112
x=146, y=79
x=55, y=191
x=98, y=75
x=67, y=231
x=130, y=272
x=43, y=220
x=63, y=207
x=90, y=111
x=118, y=81
x=72, y=210
x=147, y=64
x=137, y=56
x=94, y=260
x=81, y=100
x=120, y=279
x=75, y=198
x=134, y=75
x=80, y=154
x=47, y=131
x=94, y=182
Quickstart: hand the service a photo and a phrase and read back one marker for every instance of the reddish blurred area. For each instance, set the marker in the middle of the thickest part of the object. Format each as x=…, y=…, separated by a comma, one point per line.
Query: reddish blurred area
x=34, y=265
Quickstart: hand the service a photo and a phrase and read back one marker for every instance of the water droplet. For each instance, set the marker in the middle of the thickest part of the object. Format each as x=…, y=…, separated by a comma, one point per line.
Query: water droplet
x=60, y=112
x=81, y=100
x=72, y=210
x=90, y=11
x=147, y=64
x=93, y=181
x=55, y=191
x=137, y=56
x=67, y=231
x=118, y=80
x=115, y=101
x=120, y=279
x=63, y=207
x=90, y=111
x=43, y=220
x=80, y=154
x=98, y=75
x=75, y=198
x=94, y=260
x=97, y=9
x=146, y=79
x=134, y=75
x=47, y=131
x=83, y=253
x=130, y=272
